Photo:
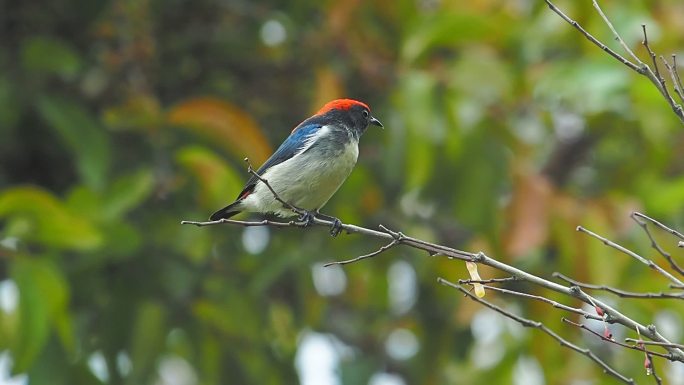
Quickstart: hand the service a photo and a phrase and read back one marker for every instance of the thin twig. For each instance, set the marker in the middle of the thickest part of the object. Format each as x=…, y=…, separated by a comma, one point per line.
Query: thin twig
x=640, y=68
x=632, y=254
x=678, y=81
x=654, y=343
x=616, y=34
x=612, y=340
x=277, y=197
x=594, y=40
x=672, y=71
x=652, y=369
x=616, y=291
x=369, y=255
x=538, y=325
x=553, y=303
x=660, y=225
x=486, y=281
x=655, y=244
x=661, y=79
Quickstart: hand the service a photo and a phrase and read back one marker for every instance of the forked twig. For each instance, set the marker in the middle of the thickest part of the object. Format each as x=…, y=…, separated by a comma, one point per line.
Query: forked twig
x=632, y=254
x=538, y=325
x=616, y=291
x=643, y=224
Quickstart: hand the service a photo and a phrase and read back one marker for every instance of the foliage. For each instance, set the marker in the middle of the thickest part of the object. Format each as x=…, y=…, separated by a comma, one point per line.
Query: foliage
x=504, y=131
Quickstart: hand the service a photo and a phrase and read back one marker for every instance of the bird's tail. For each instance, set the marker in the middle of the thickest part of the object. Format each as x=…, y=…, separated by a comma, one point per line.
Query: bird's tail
x=226, y=212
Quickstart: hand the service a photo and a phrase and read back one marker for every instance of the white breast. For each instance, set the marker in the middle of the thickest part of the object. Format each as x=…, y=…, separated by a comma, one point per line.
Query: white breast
x=307, y=180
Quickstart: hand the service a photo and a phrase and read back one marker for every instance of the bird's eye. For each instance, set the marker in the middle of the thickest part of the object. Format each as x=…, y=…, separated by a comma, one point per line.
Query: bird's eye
x=365, y=113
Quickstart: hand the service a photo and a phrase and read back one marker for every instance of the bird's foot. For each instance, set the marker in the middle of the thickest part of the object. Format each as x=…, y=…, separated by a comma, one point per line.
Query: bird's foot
x=306, y=219
x=336, y=227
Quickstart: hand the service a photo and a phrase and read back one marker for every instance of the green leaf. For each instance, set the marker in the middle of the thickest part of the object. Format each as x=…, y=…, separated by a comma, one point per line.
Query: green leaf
x=446, y=29
x=422, y=137
x=48, y=54
x=218, y=182
x=221, y=122
x=10, y=106
x=126, y=193
x=43, y=298
x=147, y=340
x=36, y=215
x=81, y=134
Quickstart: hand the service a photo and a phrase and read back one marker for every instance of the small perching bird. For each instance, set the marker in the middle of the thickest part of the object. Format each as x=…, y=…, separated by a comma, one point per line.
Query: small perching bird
x=310, y=165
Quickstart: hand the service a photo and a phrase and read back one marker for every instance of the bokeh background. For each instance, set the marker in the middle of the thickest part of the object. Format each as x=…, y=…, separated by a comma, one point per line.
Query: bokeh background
x=504, y=130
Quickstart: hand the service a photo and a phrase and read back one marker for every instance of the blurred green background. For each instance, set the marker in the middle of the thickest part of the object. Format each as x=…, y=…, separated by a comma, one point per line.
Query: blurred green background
x=504, y=130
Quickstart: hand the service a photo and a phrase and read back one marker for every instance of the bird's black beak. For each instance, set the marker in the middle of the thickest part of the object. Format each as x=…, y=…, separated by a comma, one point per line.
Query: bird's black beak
x=375, y=122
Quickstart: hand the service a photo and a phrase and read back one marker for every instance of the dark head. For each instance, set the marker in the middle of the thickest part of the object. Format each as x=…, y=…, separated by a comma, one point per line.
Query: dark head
x=349, y=112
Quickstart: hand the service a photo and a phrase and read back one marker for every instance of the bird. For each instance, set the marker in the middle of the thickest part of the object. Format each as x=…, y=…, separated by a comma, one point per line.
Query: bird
x=308, y=167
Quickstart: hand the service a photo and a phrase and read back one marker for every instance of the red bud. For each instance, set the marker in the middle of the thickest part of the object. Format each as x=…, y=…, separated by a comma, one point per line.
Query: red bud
x=599, y=311
x=607, y=334
x=647, y=365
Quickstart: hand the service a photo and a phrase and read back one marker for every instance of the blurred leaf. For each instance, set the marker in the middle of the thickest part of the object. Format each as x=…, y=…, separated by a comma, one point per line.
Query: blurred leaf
x=528, y=214
x=147, y=340
x=328, y=87
x=82, y=134
x=662, y=198
x=219, y=184
x=10, y=106
x=223, y=124
x=418, y=102
x=223, y=316
x=138, y=111
x=49, y=54
x=43, y=297
x=39, y=216
x=123, y=239
x=588, y=87
x=445, y=29
x=126, y=193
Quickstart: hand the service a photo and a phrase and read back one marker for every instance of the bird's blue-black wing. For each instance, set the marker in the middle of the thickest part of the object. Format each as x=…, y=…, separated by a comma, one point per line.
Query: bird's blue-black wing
x=287, y=150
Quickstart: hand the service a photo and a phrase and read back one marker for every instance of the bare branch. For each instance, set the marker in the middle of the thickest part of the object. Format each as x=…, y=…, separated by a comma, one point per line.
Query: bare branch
x=538, y=325
x=614, y=316
x=632, y=254
x=640, y=68
x=661, y=80
x=660, y=225
x=652, y=369
x=277, y=197
x=531, y=296
x=369, y=255
x=618, y=292
x=672, y=70
x=654, y=343
x=655, y=244
x=616, y=34
x=609, y=313
x=486, y=281
x=678, y=81
x=612, y=340
x=594, y=40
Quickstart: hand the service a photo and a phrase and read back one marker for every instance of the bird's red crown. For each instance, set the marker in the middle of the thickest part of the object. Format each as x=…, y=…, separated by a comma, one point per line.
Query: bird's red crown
x=341, y=104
